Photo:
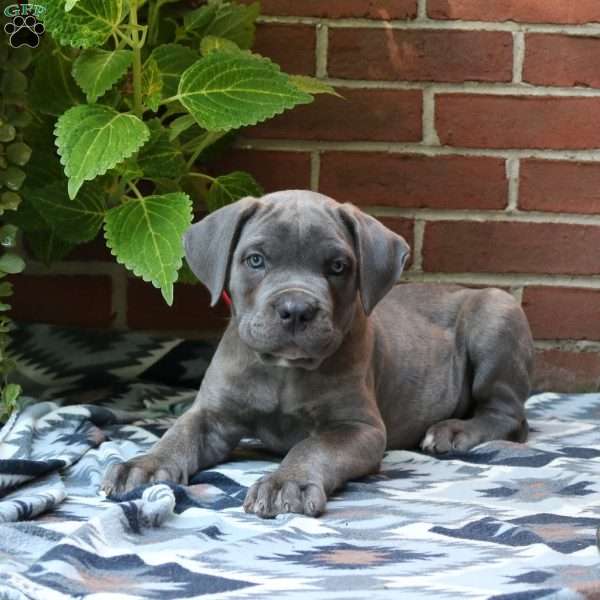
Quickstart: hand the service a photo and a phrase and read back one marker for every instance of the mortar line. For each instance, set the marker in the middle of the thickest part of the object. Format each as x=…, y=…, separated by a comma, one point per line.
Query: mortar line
x=506, y=280
x=315, y=170
x=422, y=11
x=417, y=149
x=482, y=216
x=430, y=136
x=569, y=345
x=517, y=293
x=417, y=249
x=518, y=56
x=321, y=49
x=585, y=30
x=513, y=168
x=470, y=88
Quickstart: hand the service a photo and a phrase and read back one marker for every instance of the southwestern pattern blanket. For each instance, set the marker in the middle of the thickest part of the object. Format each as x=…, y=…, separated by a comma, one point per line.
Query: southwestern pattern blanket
x=505, y=520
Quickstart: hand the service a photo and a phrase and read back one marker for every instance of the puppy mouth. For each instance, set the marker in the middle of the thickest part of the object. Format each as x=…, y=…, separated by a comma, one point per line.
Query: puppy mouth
x=292, y=357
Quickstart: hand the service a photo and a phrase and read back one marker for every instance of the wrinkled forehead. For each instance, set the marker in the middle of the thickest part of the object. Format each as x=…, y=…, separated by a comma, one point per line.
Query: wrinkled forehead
x=297, y=222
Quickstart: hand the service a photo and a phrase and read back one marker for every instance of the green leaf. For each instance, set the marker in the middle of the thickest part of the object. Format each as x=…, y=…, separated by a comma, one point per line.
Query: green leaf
x=11, y=263
x=172, y=60
x=9, y=400
x=226, y=189
x=152, y=85
x=77, y=220
x=179, y=125
x=53, y=89
x=93, y=138
x=46, y=246
x=146, y=236
x=96, y=71
x=210, y=43
x=6, y=289
x=310, y=85
x=227, y=20
x=225, y=91
x=87, y=24
x=69, y=4
x=160, y=157
x=8, y=236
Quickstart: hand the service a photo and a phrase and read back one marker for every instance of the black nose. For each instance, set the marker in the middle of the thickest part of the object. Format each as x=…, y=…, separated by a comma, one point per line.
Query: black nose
x=296, y=310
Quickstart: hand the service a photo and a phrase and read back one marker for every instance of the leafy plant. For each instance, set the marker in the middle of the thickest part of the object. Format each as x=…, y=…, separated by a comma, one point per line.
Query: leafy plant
x=127, y=97
x=14, y=155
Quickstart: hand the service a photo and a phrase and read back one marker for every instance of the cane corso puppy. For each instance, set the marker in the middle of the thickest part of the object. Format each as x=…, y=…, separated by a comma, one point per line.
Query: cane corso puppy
x=328, y=361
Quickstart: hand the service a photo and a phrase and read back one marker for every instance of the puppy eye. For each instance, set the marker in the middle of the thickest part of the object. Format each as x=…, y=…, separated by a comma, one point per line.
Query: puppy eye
x=255, y=261
x=337, y=267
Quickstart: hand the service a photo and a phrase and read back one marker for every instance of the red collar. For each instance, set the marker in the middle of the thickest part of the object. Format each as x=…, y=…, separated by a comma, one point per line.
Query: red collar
x=225, y=297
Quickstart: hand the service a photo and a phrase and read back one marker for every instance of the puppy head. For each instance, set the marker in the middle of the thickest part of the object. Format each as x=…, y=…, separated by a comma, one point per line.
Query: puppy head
x=295, y=264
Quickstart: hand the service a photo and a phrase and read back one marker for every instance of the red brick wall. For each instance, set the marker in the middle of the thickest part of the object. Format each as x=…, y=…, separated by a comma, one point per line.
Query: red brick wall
x=471, y=126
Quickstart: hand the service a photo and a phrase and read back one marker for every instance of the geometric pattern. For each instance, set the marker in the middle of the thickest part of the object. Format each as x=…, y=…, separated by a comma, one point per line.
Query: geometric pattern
x=505, y=520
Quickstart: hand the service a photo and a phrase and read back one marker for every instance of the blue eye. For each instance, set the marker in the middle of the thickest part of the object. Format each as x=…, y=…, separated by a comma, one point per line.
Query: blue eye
x=256, y=261
x=337, y=267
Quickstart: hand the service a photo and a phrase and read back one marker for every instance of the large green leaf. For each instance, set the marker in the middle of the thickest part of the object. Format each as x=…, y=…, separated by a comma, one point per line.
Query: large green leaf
x=96, y=71
x=93, y=138
x=210, y=43
x=53, y=89
x=152, y=85
x=88, y=23
x=172, y=60
x=227, y=90
x=160, y=157
x=310, y=85
x=46, y=246
x=226, y=189
x=145, y=235
x=77, y=220
x=227, y=20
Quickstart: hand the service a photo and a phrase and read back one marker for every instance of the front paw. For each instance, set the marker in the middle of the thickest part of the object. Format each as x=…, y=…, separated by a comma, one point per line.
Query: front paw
x=123, y=477
x=272, y=495
x=453, y=434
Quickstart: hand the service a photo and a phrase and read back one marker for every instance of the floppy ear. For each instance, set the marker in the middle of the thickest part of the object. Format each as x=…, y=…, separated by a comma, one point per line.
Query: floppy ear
x=210, y=243
x=381, y=254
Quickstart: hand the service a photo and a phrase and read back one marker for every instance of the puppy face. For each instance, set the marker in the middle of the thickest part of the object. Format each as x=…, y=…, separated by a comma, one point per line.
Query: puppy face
x=293, y=282
x=296, y=264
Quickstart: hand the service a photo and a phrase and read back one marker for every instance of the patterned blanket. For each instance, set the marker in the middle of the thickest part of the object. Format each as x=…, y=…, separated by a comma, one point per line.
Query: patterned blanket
x=504, y=521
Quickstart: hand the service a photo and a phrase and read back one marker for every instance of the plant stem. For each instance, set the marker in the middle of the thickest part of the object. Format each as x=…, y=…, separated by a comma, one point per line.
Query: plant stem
x=138, y=108
x=210, y=138
x=201, y=175
x=134, y=189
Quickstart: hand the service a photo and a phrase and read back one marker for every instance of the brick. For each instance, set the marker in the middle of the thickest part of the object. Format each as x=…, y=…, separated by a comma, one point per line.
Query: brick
x=563, y=313
x=560, y=186
x=524, y=11
x=146, y=309
x=292, y=47
x=486, y=121
x=508, y=247
x=273, y=170
x=426, y=55
x=82, y=300
x=562, y=371
x=370, y=115
x=412, y=181
x=335, y=9
x=562, y=60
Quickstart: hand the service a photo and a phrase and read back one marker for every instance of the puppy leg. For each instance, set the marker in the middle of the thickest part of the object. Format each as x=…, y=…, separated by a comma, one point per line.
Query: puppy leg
x=500, y=351
x=314, y=468
x=197, y=440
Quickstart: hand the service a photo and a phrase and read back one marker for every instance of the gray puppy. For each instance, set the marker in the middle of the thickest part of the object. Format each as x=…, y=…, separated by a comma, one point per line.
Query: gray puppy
x=328, y=363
